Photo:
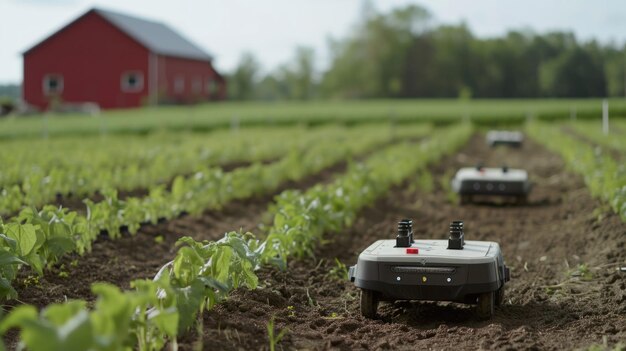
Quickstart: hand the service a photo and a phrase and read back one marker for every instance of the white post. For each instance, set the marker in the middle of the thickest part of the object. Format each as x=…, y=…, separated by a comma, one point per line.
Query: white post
x=605, y=117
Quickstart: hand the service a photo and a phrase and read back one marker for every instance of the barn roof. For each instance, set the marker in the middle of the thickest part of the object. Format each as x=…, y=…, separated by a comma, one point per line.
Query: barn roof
x=155, y=36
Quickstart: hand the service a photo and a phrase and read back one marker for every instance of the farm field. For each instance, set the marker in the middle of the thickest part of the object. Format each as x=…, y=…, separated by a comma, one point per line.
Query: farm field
x=313, y=195
x=227, y=114
x=551, y=244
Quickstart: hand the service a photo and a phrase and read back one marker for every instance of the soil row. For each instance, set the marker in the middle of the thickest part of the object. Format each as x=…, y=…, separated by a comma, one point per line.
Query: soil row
x=76, y=203
x=131, y=257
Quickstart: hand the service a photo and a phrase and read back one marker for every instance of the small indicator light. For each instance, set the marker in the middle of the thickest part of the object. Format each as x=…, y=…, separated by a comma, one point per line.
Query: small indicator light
x=412, y=250
x=398, y=278
x=449, y=280
x=424, y=279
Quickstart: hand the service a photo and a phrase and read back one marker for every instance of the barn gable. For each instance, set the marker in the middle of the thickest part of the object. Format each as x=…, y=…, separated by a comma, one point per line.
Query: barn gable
x=154, y=36
x=118, y=61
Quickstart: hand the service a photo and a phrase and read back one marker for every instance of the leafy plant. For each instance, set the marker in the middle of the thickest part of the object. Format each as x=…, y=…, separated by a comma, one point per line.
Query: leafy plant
x=604, y=176
x=203, y=273
x=340, y=271
x=53, y=232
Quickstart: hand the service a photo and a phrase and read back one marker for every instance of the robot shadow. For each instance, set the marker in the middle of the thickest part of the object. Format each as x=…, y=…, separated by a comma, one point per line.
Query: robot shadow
x=544, y=202
x=427, y=315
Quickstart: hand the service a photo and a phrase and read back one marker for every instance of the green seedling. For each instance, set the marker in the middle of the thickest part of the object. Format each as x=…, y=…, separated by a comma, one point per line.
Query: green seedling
x=333, y=315
x=62, y=272
x=291, y=311
x=446, y=184
x=312, y=302
x=425, y=181
x=273, y=337
x=581, y=272
x=31, y=280
x=340, y=271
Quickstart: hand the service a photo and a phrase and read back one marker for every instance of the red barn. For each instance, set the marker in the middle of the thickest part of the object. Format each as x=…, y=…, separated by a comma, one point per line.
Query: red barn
x=118, y=61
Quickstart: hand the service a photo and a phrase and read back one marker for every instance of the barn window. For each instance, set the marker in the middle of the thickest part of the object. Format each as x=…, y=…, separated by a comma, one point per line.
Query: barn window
x=179, y=85
x=132, y=82
x=53, y=84
x=196, y=86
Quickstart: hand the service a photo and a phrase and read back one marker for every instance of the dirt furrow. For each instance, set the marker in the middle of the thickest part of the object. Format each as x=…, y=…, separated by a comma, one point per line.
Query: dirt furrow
x=124, y=259
x=565, y=290
x=76, y=203
x=616, y=154
x=127, y=258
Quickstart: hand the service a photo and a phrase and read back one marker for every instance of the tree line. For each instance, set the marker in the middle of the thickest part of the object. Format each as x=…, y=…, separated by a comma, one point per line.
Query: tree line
x=400, y=54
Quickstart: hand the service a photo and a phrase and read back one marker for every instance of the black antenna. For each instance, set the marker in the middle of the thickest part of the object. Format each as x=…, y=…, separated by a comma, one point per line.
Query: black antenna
x=457, y=237
x=405, y=233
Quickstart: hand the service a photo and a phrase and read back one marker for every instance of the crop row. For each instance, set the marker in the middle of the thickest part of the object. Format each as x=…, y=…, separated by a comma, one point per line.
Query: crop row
x=605, y=176
x=33, y=173
x=593, y=132
x=202, y=274
x=214, y=116
x=40, y=238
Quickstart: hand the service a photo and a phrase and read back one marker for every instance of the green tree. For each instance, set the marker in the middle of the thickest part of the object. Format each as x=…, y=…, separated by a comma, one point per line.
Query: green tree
x=243, y=82
x=574, y=73
x=615, y=72
x=371, y=63
x=300, y=75
x=400, y=54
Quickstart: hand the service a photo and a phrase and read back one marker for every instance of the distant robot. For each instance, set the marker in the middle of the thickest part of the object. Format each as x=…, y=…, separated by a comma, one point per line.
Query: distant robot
x=503, y=137
x=503, y=182
x=471, y=272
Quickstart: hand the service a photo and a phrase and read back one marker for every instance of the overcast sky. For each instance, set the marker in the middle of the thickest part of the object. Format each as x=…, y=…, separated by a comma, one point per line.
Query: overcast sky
x=271, y=29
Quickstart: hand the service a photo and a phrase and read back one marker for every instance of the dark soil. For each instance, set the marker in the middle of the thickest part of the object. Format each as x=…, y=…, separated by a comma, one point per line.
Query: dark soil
x=127, y=258
x=547, y=305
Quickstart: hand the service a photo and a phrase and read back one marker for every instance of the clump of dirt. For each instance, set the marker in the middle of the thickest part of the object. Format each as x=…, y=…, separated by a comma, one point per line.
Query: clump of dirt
x=565, y=291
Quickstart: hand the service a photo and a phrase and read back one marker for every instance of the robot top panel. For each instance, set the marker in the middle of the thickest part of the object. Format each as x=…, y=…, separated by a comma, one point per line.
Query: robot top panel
x=499, y=174
x=432, y=251
x=504, y=135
